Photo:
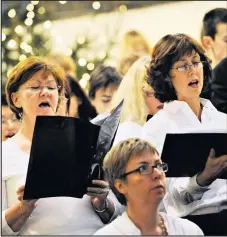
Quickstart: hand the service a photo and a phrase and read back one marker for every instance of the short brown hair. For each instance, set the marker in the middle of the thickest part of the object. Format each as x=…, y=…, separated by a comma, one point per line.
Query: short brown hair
x=23, y=71
x=166, y=52
x=117, y=158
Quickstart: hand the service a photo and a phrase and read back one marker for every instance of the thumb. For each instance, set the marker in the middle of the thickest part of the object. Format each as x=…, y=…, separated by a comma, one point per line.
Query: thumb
x=212, y=153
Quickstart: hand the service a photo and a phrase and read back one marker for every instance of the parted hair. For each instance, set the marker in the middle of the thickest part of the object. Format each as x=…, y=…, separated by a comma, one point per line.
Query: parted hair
x=168, y=51
x=116, y=160
x=23, y=71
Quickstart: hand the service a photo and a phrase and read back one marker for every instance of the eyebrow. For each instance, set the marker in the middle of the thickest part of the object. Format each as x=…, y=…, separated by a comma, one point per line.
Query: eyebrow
x=158, y=161
x=36, y=80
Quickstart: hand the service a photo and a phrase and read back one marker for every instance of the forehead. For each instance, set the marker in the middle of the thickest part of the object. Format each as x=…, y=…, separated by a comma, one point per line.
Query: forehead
x=145, y=156
x=188, y=55
x=42, y=76
x=108, y=91
x=6, y=111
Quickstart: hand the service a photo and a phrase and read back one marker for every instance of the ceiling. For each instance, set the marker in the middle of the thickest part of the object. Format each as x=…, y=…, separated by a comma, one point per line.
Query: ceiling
x=77, y=8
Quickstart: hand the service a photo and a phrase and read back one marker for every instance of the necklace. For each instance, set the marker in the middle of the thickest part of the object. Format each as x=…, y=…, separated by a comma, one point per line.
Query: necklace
x=162, y=226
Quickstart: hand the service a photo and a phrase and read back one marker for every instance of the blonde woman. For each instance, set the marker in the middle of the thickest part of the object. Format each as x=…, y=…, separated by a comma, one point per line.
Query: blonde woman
x=139, y=100
x=133, y=43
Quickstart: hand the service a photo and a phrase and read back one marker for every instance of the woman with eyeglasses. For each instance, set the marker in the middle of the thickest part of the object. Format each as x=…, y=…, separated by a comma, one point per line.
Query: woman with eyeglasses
x=33, y=88
x=136, y=175
x=179, y=72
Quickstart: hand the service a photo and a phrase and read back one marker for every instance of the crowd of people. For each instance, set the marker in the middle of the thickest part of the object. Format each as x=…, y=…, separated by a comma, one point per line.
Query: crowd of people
x=177, y=86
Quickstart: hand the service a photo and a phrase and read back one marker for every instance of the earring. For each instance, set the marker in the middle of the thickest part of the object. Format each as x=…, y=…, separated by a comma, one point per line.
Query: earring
x=20, y=114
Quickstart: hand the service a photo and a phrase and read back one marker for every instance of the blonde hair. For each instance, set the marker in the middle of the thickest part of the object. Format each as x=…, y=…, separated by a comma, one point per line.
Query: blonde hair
x=130, y=40
x=117, y=158
x=64, y=61
x=131, y=90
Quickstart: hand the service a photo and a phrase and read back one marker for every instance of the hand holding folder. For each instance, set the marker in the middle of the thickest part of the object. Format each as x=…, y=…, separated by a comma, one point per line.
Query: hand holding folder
x=67, y=154
x=186, y=154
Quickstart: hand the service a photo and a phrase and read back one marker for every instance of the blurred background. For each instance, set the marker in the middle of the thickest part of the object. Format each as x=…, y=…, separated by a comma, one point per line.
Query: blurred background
x=90, y=31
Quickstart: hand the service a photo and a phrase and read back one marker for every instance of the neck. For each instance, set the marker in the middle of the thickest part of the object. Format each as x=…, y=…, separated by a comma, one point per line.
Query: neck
x=146, y=219
x=24, y=136
x=194, y=105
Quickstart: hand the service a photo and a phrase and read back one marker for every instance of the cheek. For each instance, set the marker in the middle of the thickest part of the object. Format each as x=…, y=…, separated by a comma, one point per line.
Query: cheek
x=152, y=104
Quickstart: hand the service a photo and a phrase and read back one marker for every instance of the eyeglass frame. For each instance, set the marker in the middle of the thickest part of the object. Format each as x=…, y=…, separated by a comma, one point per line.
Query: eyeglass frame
x=40, y=87
x=12, y=121
x=190, y=65
x=152, y=166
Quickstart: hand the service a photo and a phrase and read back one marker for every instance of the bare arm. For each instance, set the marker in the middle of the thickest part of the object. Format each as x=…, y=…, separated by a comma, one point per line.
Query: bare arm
x=17, y=215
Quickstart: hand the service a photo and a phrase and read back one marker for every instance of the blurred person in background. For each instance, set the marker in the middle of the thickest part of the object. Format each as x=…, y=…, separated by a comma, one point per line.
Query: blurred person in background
x=10, y=123
x=79, y=104
x=132, y=46
x=139, y=100
x=178, y=72
x=133, y=43
x=214, y=34
x=136, y=175
x=103, y=84
x=33, y=88
x=219, y=86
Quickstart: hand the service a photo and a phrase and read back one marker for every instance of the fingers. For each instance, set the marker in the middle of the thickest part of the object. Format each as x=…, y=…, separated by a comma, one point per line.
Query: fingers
x=20, y=189
x=101, y=183
x=212, y=153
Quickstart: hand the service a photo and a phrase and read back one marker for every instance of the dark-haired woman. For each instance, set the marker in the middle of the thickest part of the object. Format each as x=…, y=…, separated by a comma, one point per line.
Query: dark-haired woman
x=178, y=72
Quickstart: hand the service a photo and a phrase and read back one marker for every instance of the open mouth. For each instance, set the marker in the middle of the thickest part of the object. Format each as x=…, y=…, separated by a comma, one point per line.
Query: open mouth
x=45, y=104
x=160, y=107
x=193, y=83
x=10, y=135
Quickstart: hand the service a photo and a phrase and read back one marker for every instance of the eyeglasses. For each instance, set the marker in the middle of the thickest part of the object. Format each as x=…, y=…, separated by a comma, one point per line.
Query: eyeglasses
x=186, y=67
x=6, y=121
x=50, y=87
x=146, y=169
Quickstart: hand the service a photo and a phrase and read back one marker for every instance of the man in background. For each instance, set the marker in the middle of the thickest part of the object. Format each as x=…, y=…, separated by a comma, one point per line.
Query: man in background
x=214, y=34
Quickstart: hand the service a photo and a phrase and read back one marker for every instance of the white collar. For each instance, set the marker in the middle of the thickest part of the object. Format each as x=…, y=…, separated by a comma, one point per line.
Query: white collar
x=176, y=105
x=126, y=226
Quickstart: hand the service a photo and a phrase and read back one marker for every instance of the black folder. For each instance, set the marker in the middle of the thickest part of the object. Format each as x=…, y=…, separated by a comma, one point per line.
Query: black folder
x=186, y=154
x=67, y=153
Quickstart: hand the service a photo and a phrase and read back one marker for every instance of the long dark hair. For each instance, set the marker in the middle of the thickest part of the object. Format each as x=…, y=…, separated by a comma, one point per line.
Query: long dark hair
x=166, y=52
x=86, y=110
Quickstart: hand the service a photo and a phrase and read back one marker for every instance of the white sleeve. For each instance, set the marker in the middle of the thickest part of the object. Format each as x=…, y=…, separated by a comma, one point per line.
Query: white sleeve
x=127, y=130
x=6, y=230
x=154, y=131
x=186, y=190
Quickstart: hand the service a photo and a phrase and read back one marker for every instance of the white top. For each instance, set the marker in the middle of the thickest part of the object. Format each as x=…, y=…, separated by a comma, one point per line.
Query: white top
x=52, y=216
x=123, y=225
x=177, y=117
x=127, y=130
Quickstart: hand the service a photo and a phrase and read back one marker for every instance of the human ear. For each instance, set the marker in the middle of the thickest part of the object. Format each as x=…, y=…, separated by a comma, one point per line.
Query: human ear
x=207, y=42
x=15, y=99
x=120, y=186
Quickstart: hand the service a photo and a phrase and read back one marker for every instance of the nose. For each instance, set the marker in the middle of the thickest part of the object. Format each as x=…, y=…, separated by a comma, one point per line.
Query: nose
x=157, y=174
x=192, y=69
x=44, y=91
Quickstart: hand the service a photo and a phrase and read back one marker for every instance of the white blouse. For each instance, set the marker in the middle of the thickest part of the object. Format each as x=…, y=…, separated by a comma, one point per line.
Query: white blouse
x=177, y=117
x=123, y=225
x=52, y=216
